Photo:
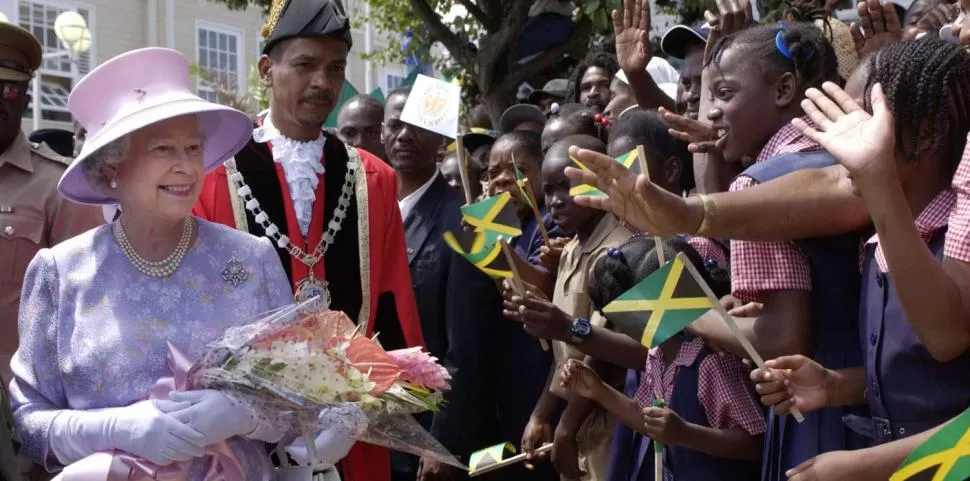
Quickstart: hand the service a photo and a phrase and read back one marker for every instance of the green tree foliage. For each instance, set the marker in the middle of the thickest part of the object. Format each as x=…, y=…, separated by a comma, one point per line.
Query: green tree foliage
x=477, y=40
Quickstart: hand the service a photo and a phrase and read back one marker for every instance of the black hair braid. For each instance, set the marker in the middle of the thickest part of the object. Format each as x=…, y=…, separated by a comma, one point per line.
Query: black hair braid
x=809, y=11
x=927, y=87
x=583, y=122
x=647, y=128
x=813, y=59
x=620, y=270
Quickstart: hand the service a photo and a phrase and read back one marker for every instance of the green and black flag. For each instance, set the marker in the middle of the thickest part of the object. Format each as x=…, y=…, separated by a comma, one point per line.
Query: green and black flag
x=661, y=305
x=486, y=255
x=489, y=456
x=494, y=216
x=943, y=457
x=630, y=160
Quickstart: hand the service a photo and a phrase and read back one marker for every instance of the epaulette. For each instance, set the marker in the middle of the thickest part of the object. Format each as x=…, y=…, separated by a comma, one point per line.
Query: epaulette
x=46, y=152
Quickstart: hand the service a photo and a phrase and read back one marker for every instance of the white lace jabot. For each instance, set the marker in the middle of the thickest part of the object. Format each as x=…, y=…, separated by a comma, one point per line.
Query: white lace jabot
x=302, y=166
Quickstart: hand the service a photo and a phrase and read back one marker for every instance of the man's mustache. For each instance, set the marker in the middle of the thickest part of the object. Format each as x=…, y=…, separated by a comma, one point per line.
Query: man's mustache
x=322, y=97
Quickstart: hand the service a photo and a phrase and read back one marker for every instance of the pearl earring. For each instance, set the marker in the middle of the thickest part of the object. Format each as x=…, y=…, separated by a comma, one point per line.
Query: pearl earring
x=113, y=184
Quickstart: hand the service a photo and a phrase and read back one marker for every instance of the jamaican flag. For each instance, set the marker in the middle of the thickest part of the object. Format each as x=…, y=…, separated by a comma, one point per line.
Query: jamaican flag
x=661, y=305
x=493, y=216
x=488, y=457
x=484, y=254
x=630, y=160
x=943, y=457
x=523, y=183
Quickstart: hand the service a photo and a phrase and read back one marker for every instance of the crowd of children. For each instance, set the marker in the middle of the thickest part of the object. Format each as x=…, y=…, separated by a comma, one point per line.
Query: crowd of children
x=872, y=363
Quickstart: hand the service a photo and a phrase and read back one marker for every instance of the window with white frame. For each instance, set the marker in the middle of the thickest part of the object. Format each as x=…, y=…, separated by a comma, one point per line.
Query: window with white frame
x=393, y=81
x=58, y=72
x=220, y=56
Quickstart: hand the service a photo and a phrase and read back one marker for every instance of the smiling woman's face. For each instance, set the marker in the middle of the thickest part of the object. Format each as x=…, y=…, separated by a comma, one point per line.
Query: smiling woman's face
x=160, y=176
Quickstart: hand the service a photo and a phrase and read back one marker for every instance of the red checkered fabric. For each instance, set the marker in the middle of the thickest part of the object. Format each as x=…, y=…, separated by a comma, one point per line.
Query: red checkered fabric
x=958, y=235
x=709, y=250
x=758, y=267
x=933, y=218
x=723, y=388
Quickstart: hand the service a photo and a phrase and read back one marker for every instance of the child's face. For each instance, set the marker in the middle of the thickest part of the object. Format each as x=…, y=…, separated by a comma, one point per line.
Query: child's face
x=501, y=174
x=555, y=187
x=622, y=99
x=744, y=109
x=449, y=171
x=689, y=88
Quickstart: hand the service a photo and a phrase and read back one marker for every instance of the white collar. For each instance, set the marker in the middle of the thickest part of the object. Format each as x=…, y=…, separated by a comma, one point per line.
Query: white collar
x=408, y=202
x=301, y=163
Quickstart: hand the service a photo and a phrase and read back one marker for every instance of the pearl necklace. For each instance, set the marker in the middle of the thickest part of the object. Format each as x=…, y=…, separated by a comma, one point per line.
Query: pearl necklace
x=157, y=269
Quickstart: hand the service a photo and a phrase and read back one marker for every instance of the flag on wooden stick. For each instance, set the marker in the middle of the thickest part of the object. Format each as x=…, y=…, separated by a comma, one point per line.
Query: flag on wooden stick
x=661, y=305
x=476, y=248
x=489, y=456
x=494, y=216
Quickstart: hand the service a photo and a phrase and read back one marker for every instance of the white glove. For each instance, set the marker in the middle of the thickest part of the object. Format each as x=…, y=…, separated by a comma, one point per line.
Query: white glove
x=140, y=429
x=331, y=446
x=211, y=413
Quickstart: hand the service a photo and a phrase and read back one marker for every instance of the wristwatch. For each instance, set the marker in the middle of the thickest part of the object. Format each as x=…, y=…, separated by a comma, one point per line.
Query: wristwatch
x=580, y=330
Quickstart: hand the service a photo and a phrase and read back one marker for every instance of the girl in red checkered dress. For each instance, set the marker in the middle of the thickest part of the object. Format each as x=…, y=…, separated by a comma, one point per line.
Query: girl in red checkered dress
x=712, y=426
x=901, y=167
x=809, y=288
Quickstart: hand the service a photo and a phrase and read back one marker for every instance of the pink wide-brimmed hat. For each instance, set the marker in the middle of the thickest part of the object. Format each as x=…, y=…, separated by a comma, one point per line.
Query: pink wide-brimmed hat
x=137, y=89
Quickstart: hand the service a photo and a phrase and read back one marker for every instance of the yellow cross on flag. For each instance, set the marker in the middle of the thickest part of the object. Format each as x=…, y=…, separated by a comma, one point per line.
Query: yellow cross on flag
x=661, y=305
x=489, y=456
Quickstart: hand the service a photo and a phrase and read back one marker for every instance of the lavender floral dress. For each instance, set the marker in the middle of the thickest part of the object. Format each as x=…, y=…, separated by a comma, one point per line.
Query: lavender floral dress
x=93, y=329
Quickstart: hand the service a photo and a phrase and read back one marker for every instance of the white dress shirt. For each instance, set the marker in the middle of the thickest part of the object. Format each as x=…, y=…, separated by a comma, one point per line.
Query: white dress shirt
x=407, y=203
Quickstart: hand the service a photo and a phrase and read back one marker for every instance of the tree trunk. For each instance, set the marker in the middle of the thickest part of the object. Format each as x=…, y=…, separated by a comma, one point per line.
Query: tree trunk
x=495, y=103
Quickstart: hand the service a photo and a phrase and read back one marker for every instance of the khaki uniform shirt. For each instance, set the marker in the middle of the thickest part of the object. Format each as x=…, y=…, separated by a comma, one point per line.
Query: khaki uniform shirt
x=33, y=216
x=575, y=270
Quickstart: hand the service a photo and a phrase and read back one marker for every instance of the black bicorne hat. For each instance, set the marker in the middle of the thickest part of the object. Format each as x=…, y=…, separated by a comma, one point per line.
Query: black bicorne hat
x=306, y=18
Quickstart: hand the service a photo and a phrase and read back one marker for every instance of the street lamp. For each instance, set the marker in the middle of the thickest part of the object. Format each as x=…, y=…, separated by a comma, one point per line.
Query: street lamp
x=72, y=32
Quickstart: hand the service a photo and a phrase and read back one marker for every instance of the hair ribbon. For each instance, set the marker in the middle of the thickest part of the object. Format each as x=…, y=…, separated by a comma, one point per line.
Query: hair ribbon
x=782, y=46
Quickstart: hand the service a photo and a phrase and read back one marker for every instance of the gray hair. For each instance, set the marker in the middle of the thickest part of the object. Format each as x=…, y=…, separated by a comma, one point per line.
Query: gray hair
x=111, y=154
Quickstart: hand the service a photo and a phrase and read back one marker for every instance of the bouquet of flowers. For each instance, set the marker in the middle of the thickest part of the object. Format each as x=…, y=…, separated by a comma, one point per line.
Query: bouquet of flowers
x=294, y=363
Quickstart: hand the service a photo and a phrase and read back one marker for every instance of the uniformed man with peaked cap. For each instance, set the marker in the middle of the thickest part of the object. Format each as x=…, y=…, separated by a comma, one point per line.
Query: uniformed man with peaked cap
x=32, y=214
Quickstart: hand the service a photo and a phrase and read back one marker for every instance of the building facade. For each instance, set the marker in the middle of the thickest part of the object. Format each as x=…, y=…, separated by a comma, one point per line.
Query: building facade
x=226, y=43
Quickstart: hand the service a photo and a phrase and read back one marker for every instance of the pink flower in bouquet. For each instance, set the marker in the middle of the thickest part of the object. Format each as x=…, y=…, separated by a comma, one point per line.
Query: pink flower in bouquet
x=329, y=328
x=369, y=358
x=421, y=368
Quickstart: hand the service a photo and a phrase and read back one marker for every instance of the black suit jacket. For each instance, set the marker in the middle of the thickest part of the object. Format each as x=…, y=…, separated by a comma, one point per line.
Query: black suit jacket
x=457, y=304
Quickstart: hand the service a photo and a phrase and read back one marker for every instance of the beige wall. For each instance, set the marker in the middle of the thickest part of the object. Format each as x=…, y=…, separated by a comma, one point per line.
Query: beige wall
x=118, y=26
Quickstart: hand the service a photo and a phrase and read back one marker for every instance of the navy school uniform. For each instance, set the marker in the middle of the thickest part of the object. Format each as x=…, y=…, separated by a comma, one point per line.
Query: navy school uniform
x=682, y=464
x=521, y=369
x=834, y=266
x=626, y=451
x=908, y=391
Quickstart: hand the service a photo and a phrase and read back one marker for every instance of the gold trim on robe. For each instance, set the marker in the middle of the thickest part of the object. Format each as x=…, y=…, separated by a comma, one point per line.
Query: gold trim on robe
x=238, y=210
x=363, y=237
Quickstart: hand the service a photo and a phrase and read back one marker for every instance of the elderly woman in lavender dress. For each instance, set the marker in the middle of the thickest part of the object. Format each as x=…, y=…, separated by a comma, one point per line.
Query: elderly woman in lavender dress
x=98, y=311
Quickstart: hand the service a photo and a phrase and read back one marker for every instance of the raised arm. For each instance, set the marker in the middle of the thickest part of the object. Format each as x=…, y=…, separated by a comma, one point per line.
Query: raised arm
x=633, y=52
x=802, y=204
x=935, y=297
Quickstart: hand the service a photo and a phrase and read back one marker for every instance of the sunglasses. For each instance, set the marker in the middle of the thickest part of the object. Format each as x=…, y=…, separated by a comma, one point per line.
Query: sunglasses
x=10, y=91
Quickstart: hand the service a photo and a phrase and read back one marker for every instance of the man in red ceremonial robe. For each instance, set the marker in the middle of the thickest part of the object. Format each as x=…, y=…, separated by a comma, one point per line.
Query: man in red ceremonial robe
x=332, y=210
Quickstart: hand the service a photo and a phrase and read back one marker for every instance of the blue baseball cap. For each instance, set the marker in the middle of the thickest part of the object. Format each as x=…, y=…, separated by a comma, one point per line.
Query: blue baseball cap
x=675, y=42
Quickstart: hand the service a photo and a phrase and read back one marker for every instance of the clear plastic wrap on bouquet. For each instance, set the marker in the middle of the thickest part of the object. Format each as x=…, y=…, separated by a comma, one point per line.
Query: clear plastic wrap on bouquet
x=305, y=368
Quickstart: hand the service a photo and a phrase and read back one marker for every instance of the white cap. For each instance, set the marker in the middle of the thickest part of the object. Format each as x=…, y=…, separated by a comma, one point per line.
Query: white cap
x=663, y=74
